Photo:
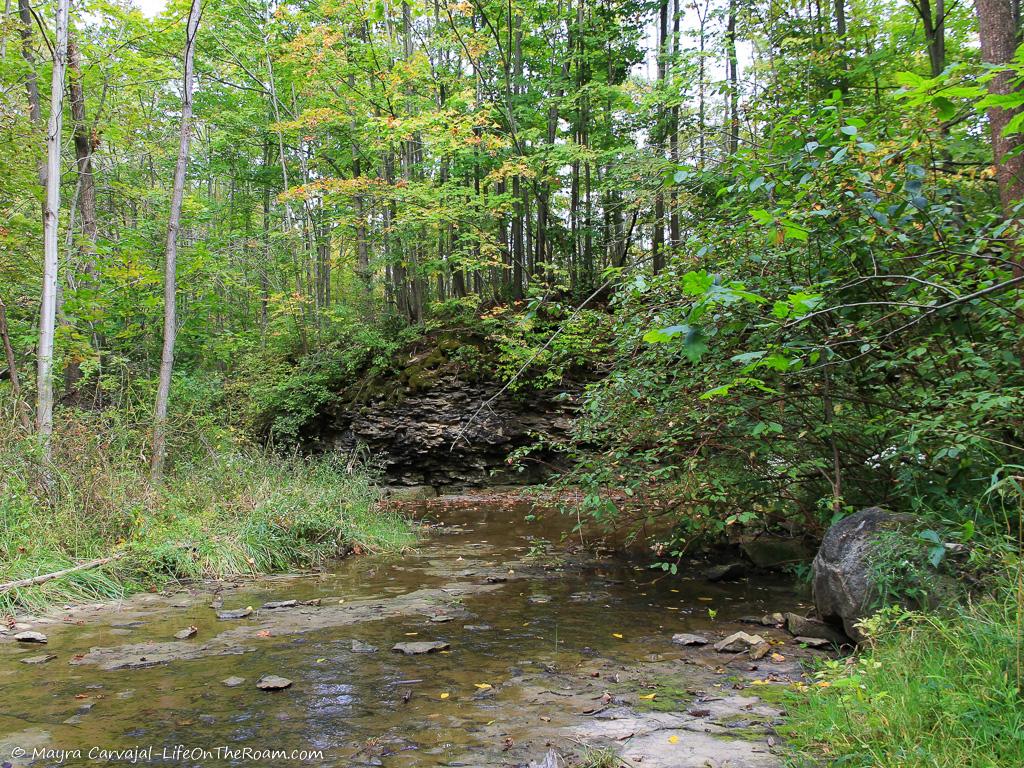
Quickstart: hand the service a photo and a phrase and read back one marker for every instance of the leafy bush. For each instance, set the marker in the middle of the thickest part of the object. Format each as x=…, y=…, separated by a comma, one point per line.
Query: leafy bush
x=839, y=329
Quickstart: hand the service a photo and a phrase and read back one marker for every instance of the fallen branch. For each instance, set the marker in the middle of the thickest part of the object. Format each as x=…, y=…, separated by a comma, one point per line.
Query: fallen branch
x=57, y=574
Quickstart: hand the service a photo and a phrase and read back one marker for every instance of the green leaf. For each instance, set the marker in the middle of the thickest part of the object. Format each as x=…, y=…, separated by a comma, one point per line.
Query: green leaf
x=945, y=107
x=662, y=335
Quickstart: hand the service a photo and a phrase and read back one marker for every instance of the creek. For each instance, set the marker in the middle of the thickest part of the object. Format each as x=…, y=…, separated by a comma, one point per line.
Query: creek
x=549, y=646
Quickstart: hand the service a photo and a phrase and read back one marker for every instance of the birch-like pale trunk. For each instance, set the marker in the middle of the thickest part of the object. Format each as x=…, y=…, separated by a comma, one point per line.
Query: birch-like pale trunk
x=156, y=467
x=51, y=210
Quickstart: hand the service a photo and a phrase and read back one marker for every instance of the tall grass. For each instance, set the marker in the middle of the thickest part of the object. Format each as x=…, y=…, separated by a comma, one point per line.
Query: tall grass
x=224, y=509
x=932, y=691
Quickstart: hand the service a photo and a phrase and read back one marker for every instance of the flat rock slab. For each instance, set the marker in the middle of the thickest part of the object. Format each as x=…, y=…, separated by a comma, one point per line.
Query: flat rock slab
x=685, y=638
x=143, y=655
x=232, y=641
x=415, y=649
x=273, y=683
x=738, y=641
x=238, y=613
x=274, y=605
x=40, y=659
x=360, y=647
x=666, y=740
x=233, y=681
x=185, y=634
x=30, y=637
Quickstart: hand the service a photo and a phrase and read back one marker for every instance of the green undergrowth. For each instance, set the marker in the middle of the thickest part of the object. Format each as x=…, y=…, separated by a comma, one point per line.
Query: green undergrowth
x=932, y=690
x=225, y=509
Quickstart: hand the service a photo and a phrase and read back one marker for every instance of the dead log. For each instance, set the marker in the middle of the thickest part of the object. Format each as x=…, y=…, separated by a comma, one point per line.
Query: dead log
x=42, y=578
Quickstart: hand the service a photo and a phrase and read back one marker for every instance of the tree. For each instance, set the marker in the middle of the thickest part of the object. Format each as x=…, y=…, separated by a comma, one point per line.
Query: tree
x=48, y=305
x=171, y=254
x=999, y=29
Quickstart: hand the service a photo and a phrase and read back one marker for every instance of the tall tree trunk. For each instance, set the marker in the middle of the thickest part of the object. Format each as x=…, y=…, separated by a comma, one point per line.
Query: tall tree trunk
x=35, y=109
x=658, y=235
x=733, y=73
x=673, y=132
x=839, y=7
x=934, y=32
x=84, y=148
x=998, y=29
x=48, y=305
x=171, y=255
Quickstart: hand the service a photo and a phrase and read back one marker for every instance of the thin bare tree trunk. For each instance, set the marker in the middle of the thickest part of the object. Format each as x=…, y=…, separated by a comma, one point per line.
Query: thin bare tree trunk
x=51, y=211
x=171, y=257
x=12, y=371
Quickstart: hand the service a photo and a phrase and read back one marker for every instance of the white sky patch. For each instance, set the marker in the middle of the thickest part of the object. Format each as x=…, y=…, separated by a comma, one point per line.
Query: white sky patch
x=151, y=8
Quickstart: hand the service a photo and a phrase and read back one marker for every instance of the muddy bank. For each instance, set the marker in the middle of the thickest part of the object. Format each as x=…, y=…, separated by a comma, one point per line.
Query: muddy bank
x=538, y=646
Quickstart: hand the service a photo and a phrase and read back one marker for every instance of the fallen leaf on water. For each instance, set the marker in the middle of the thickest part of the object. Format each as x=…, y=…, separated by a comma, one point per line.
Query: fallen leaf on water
x=673, y=739
x=617, y=635
x=777, y=657
x=445, y=695
x=483, y=686
x=320, y=661
x=648, y=697
x=411, y=634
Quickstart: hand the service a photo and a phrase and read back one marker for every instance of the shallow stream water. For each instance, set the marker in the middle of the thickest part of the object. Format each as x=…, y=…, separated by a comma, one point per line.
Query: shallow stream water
x=549, y=647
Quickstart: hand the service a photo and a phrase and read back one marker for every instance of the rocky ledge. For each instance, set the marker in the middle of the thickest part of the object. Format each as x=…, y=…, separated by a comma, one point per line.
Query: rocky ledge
x=452, y=433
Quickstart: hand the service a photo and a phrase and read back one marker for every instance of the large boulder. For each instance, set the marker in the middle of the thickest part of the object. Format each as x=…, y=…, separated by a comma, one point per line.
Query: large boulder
x=773, y=552
x=844, y=591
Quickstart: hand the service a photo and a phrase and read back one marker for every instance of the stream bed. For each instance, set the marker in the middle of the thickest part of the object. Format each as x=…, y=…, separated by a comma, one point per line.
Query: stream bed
x=546, y=647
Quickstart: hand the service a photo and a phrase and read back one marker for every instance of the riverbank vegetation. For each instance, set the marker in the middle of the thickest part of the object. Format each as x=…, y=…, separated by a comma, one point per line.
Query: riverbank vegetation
x=931, y=689
x=228, y=509
x=782, y=241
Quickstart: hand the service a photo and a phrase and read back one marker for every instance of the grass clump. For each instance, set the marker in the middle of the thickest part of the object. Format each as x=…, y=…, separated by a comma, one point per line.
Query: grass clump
x=930, y=691
x=226, y=509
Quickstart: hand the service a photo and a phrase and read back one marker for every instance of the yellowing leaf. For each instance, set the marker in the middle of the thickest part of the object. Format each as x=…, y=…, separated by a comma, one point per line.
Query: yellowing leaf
x=483, y=686
x=673, y=739
x=445, y=695
x=648, y=697
x=616, y=635
x=320, y=661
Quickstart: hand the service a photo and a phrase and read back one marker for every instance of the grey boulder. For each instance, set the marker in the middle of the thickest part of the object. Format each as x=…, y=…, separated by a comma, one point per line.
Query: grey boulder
x=844, y=592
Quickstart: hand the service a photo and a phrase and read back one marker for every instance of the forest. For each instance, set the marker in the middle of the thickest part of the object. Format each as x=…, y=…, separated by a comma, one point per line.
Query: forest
x=770, y=251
